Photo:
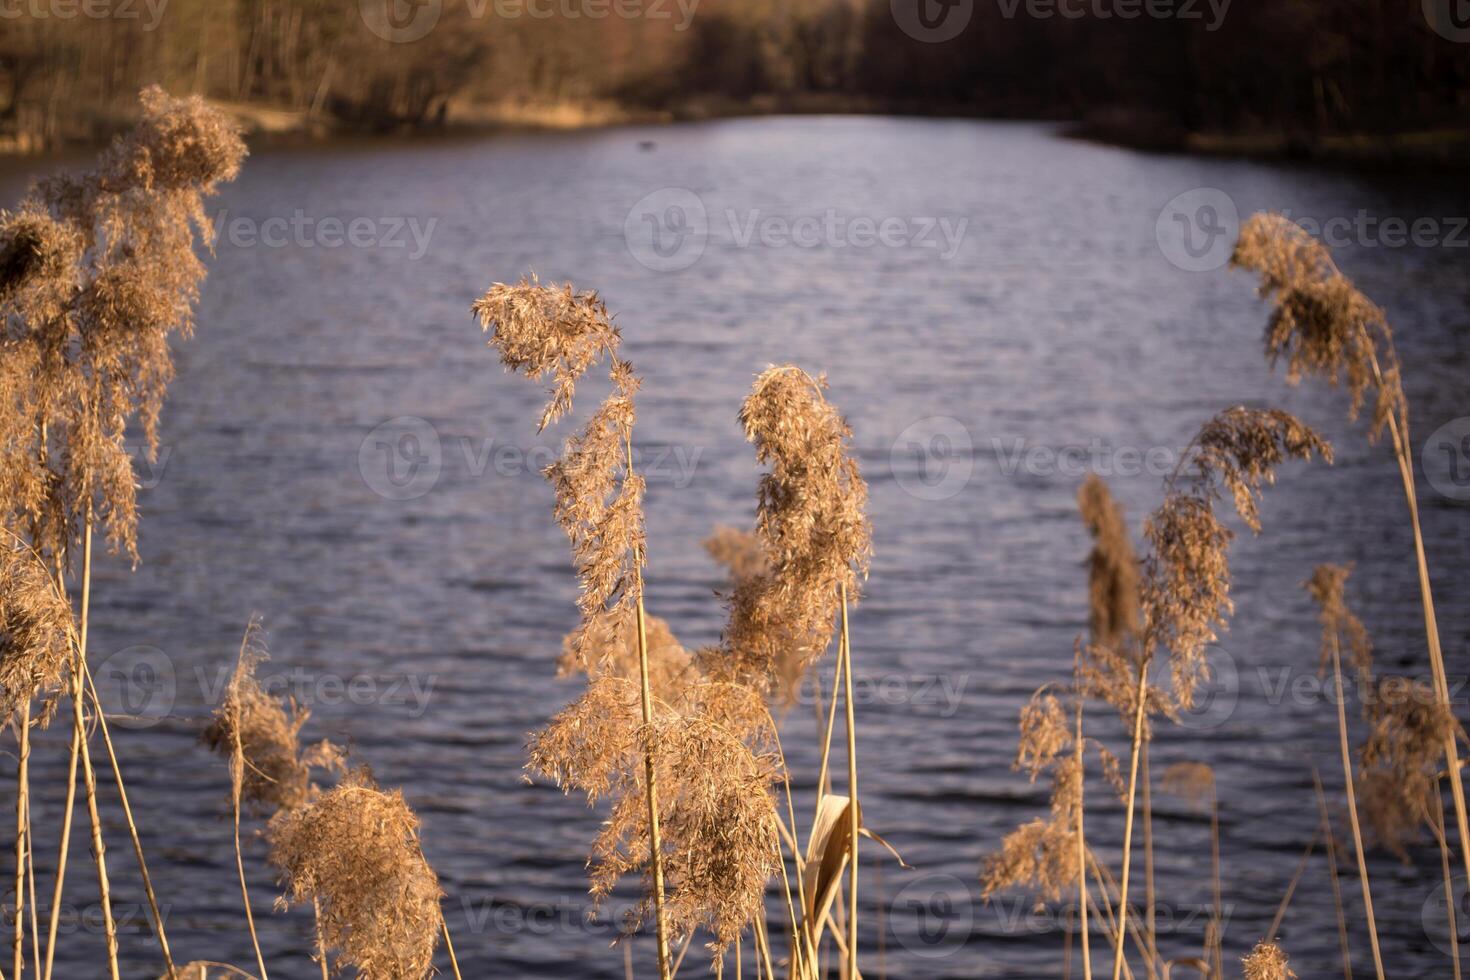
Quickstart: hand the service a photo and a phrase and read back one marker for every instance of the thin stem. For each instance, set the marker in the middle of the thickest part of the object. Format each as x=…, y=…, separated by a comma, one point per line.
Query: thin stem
x=65, y=847
x=1217, y=913
x=321, y=939
x=1437, y=825
x=1352, y=804
x=854, y=818
x=89, y=776
x=1326, y=819
x=1082, y=854
x=31, y=887
x=237, y=774
x=1128, y=819
x=1150, y=898
x=22, y=833
x=122, y=794
x=655, y=846
x=449, y=947
x=1296, y=877
x=99, y=848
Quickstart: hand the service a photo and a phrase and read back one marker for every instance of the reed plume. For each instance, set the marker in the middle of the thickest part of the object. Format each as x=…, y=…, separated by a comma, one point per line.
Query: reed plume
x=1323, y=325
x=542, y=332
x=260, y=735
x=37, y=631
x=813, y=528
x=354, y=850
x=1042, y=854
x=810, y=524
x=1186, y=581
x=1401, y=759
x=716, y=806
x=739, y=553
x=610, y=646
x=1267, y=961
x=97, y=271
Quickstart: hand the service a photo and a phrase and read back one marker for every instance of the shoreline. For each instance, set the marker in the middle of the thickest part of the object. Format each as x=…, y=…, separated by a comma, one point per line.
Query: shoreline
x=272, y=126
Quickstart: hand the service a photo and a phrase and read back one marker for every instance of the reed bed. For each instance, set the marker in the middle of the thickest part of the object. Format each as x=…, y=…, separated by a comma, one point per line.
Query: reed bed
x=680, y=749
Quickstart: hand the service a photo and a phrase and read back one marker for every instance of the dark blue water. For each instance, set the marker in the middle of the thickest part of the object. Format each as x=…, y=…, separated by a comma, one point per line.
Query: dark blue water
x=981, y=296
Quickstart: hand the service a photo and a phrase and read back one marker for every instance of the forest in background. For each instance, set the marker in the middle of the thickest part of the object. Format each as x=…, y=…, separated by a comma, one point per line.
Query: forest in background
x=1305, y=71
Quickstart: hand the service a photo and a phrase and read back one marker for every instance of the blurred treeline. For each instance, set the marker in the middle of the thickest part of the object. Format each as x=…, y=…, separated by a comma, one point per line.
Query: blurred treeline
x=1303, y=67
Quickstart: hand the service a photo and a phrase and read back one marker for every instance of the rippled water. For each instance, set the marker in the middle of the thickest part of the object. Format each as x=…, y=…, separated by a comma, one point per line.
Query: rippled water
x=423, y=630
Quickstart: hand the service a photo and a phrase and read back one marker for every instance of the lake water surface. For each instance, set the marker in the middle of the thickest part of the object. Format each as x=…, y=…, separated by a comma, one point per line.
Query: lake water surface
x=981, y=297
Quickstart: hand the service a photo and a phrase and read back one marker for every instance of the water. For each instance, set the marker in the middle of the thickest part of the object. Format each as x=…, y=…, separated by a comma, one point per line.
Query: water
x=422, y=631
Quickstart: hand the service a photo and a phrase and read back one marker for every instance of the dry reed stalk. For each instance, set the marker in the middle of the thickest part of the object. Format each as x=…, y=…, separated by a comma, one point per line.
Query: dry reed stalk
x=154, y=911
x=63, y=850
x=1332, y=870
x=852, y=790
x=1326, y=586
x=233, y=711
x=1296, y=878
x=1185, y=594
x=540, y=331
x=1449, y=888
x=1322, y=324
x=1082, y=856
x=99, y=271
x=22, y=835
x=89, y=777
x=1149, y=892
x=36, y=655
